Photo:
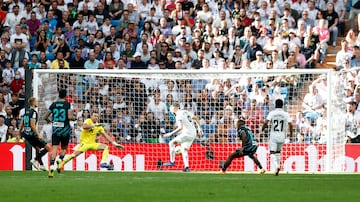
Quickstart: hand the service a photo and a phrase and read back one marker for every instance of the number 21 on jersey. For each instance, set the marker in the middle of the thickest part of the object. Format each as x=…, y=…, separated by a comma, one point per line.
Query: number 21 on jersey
x=278, y=125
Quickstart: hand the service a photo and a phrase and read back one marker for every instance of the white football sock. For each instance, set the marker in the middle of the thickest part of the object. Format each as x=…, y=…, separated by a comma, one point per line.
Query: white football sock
x=172, y=152
x=278, y=159
x=185, y=156
x=273, y=161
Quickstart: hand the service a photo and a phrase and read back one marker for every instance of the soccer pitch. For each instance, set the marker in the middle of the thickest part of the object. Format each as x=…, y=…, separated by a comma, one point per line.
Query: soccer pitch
x=173, y=186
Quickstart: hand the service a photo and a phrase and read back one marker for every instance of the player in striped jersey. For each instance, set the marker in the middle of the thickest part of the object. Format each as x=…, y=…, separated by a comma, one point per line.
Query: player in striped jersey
x=28, y=130
x=279, y=120
x=61, y=129
x=248, y=147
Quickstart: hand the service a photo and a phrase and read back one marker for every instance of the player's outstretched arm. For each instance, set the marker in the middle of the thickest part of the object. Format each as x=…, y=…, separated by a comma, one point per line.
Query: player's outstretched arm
x=107, y=137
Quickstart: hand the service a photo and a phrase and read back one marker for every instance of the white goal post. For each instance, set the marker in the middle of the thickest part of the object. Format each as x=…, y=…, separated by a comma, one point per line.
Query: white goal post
x=127, y=101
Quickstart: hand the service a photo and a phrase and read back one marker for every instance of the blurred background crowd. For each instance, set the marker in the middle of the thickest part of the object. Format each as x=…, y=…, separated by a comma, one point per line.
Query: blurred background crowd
x=180, y=34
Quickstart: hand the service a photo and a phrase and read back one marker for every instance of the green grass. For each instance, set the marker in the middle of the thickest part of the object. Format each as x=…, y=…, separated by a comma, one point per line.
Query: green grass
x=171, y=186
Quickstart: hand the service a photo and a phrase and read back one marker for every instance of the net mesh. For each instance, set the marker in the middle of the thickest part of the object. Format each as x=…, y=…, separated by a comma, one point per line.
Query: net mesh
x=134, y=106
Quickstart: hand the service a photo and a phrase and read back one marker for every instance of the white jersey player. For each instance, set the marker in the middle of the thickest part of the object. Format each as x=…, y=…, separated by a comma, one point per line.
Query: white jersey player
x=279, y=120
x=185, y=121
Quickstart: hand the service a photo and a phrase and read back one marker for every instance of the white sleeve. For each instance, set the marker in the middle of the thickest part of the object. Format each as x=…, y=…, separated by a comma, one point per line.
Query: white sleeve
x=3, y=138
x=269, y=116
x=289, y=119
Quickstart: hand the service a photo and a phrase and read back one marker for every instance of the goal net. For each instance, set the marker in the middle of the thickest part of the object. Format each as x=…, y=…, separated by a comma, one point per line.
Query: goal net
x=134, y=107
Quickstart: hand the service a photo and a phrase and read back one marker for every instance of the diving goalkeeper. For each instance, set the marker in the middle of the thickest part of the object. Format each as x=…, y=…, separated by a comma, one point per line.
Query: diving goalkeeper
x=91, y=129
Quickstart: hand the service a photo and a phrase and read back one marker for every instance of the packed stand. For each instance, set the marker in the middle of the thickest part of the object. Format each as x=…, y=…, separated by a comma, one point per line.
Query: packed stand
x=165, y=34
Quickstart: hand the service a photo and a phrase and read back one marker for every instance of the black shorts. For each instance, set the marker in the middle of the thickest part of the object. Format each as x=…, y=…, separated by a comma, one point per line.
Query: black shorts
x=57, y=140
x=61, y=136
x=356, y=139
x=247, y=152
x=34, y=140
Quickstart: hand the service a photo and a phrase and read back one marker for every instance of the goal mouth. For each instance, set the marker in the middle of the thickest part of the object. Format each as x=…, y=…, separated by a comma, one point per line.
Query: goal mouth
x=126, y=99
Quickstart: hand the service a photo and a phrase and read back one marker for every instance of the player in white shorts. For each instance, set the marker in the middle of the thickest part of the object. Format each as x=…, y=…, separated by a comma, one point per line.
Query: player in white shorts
x=185, y=121
x=279, y=120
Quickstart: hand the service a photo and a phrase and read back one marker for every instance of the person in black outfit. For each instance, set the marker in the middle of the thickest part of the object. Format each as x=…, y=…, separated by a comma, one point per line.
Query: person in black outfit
x=137, y=63
x=77, y=62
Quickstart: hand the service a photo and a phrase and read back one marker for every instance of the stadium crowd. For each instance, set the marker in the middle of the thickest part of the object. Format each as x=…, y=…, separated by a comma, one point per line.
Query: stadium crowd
x=174, y=34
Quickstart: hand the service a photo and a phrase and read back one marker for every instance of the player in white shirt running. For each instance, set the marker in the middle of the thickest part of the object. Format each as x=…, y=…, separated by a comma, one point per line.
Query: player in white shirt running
x=279, y=119
x=185, y=121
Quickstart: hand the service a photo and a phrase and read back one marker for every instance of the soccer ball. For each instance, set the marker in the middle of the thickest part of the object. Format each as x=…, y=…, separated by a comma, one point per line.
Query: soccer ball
x=178, y=149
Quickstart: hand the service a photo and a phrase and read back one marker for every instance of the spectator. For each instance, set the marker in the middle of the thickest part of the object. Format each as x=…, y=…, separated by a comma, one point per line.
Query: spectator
x=324, y=37
x=144, y=40
x=352, y=122
x=164, y=28
x=59, y=62
x=157, y=107
x=14, y=138
x=77, y=62
x=73, y=41
x=312, y=102
x=61, y=46
x=340, y=9
x=251, y=48
x=33, y=23
x=16, y=105
x=19, y=42
x=16, y=83
x=225, y=123
x=34, y=64
x=3, y=129
x=136, y=62
x=8, y=74
x=92, y=62
x=13, y=18
x=151, y=128
x=264, y=10
x=109, y=62
x=50, y=20
x=305, y=17
x=311, y=54
x=333, y=20
x=343, y=54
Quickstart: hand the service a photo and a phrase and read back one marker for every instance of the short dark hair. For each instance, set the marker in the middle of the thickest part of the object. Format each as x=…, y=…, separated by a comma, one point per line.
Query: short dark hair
x=62, y=93
x=279, y=103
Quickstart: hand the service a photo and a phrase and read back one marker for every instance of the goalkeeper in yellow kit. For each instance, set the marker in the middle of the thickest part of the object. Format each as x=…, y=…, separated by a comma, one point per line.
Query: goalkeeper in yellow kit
x=91, y=129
